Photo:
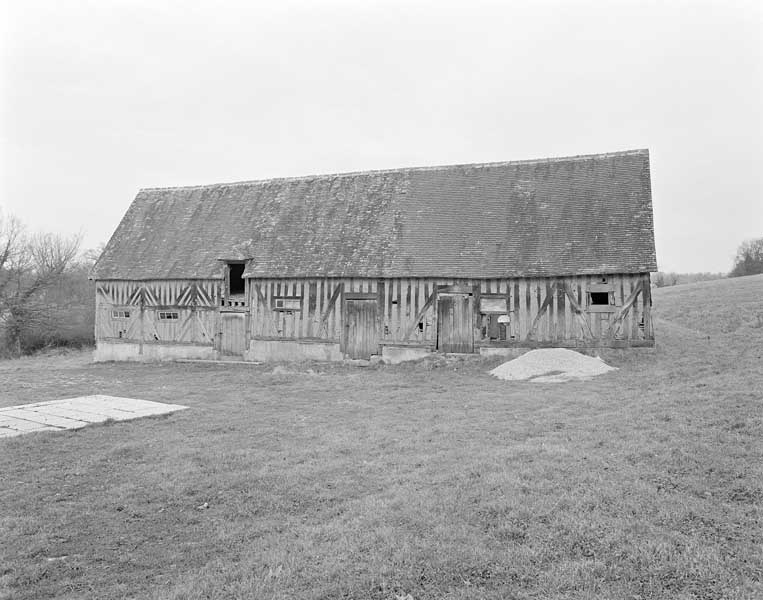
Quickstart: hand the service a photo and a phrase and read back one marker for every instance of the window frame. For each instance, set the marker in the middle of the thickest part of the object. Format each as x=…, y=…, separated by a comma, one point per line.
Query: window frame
x=601, y=288
x=502, y=297
x=284, y=307
x=161, y=315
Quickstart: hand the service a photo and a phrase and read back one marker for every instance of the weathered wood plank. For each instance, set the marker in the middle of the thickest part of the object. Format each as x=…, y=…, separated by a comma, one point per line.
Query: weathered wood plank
x=561, y=312
x=268, y=320
x=551, y=316
x=616, y=323
x=420, y=315
x=398, y=316
x=646, y=286
x=541, y=309
x=582, y=322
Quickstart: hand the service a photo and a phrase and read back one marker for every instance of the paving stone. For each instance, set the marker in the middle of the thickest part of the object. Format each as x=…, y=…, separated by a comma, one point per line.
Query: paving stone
x=40, y=416
x=23, y=425
x=74, y=413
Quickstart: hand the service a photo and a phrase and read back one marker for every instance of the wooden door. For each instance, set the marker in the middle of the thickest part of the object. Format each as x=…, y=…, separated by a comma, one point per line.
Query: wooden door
x=455, y=332
x=233, y=333
x=361, y=336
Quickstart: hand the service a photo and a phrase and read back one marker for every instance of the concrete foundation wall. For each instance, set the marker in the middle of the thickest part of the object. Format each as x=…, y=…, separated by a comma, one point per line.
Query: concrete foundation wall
x=393, y=355
x=507, y=352
x=107, y=351
x=278, y=350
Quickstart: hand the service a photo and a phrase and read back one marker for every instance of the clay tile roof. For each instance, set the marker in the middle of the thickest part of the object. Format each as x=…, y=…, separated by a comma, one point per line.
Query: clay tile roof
x=562, y=216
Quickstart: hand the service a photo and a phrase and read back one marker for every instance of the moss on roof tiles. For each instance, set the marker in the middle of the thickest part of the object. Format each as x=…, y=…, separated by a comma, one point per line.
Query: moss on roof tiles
x=577, y=215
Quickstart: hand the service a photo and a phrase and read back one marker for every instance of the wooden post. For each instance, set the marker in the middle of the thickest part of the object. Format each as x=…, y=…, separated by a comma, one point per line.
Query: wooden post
x=646, y=290
x=248, y=315
x=142, y=315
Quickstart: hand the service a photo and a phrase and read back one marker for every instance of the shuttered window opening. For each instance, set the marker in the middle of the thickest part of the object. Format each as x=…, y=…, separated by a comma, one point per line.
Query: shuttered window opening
x=601, y=297
x=495, y=318
x=493, y=304
x=287, y=303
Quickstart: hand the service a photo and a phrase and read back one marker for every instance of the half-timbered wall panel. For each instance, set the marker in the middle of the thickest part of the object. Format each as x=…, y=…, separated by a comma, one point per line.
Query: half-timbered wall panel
x=406, y=308
x=176, y=311
x=160, y=292
x=537, y=310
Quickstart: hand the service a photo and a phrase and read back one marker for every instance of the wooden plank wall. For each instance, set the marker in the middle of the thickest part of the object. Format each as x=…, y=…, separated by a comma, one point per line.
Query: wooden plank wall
x=195, y=301
x=403, y=305
x=400, y=301
x=559, y=321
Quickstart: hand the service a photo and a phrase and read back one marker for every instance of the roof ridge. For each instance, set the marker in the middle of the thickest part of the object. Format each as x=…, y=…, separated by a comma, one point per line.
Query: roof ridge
x=553, y=159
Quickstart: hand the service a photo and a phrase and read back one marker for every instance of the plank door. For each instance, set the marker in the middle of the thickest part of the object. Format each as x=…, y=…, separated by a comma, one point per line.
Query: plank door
x=455, y=332
x=361, y=335
x=233, y=333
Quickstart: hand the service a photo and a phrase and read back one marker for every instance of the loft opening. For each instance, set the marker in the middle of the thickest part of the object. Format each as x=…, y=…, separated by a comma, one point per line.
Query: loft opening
x=287, y=303
x=236, y=284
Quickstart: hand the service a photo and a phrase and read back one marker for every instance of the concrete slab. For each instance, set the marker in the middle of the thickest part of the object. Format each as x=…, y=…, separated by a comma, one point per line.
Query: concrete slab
x=45, y=418
x=74, y=413
x=394, y=355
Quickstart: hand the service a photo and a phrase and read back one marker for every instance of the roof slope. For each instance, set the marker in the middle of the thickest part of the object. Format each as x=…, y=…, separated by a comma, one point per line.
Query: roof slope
x=577, y=215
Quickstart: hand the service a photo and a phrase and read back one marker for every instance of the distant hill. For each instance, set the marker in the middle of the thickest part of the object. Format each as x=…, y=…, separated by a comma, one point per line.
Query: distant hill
x=721, y=306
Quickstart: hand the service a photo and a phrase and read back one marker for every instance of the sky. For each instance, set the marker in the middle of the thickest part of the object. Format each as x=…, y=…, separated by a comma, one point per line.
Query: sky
x=101, y=98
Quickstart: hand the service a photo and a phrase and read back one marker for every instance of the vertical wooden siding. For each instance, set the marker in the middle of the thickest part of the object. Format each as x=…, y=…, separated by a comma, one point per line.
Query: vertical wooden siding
x=544, y=309
x=399, y=302
x=541, y=310
x=403, y=304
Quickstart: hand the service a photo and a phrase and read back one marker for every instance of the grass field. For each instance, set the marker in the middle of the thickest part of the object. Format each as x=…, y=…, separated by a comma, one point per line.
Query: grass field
x=430, y=479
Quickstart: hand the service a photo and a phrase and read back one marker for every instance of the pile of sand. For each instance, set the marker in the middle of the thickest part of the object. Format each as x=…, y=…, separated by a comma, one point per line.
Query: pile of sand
x=551, y=365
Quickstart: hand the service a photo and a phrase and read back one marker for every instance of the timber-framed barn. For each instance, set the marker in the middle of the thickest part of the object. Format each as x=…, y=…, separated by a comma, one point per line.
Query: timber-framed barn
x=466, y=258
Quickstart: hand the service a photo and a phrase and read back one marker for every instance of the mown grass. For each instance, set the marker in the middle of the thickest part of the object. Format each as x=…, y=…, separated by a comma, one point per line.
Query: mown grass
x=431, y=479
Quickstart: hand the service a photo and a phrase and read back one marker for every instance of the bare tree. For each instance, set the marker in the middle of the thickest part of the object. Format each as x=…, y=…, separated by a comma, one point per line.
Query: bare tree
x=29, y=266
x=749, y=259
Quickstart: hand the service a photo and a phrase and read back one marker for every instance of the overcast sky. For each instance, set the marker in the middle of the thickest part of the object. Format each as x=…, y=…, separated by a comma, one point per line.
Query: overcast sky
x=102, y=98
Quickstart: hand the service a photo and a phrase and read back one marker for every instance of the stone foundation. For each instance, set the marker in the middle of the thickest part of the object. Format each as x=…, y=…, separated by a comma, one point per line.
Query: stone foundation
x=393, y=355
x=130, y=351
x=289, y=350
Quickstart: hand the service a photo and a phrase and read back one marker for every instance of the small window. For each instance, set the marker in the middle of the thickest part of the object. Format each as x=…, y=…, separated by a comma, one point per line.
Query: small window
x=599, y=298
x=120, y=314
x=287, y=303
x=167, y=315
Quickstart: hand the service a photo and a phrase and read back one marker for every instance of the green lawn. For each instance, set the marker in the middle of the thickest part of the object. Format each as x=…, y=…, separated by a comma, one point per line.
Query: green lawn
x=432, y=479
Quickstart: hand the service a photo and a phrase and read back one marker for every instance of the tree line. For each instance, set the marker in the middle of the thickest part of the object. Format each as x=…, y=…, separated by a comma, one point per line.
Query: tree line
x=46, y=298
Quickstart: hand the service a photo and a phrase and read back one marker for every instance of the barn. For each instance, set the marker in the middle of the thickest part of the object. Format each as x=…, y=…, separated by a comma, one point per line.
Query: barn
x=478, y=258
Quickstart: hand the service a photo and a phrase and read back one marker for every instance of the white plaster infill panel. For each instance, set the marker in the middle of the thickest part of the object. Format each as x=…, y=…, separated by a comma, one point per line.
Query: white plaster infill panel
x=74, y=413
